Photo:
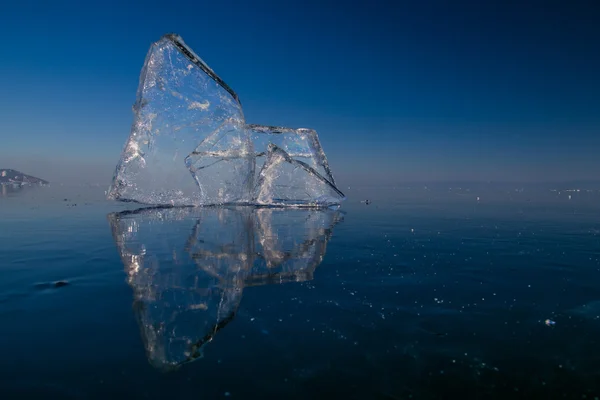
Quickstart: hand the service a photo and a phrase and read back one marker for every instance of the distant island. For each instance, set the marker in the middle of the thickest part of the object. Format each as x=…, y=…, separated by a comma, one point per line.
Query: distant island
x=17, y=178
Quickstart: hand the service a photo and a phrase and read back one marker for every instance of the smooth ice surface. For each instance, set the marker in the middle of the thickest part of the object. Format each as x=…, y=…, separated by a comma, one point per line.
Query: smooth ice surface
x=190, y=144
x=189, y=266
x=425, y=291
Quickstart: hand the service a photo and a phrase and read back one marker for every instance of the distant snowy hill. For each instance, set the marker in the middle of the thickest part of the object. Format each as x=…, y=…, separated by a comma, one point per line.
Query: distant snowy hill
x=9, y=176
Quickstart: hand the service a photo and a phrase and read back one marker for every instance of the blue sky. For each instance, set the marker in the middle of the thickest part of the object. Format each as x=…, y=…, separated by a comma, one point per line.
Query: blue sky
x=398, y=91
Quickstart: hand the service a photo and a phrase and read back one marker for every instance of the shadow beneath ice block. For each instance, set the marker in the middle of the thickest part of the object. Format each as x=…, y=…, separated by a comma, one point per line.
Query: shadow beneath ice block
x=188, y=267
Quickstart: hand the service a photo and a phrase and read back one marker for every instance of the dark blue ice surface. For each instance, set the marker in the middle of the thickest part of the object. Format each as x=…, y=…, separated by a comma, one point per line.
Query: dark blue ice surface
x=425, y=293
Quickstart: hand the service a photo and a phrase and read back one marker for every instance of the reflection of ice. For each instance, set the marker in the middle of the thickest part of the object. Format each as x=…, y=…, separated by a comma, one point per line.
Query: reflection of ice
x=189, y=266
x=188, y=121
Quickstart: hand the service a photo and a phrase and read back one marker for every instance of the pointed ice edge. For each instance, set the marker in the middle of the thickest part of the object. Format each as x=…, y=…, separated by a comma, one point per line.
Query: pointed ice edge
x=194, y=58
x=316, y=151
x=277, y=156
x=127, y=187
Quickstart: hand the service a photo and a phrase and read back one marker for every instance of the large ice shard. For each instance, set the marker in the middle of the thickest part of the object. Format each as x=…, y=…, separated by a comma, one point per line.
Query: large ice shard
x=190, y=144
x=188, y=266
x=180, y=101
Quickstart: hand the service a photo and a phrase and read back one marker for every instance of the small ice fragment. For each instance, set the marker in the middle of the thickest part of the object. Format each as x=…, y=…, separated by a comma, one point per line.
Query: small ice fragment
x=285, y=181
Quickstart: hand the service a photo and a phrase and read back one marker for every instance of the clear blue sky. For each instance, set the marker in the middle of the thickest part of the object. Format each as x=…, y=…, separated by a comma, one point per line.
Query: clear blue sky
x=398, y=91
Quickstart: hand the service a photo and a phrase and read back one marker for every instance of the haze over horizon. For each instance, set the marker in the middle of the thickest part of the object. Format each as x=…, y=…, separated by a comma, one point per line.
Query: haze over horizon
x=435, y=91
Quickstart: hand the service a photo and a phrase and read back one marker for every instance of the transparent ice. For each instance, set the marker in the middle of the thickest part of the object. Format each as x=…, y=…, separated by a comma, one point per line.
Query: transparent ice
x=190, y=144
